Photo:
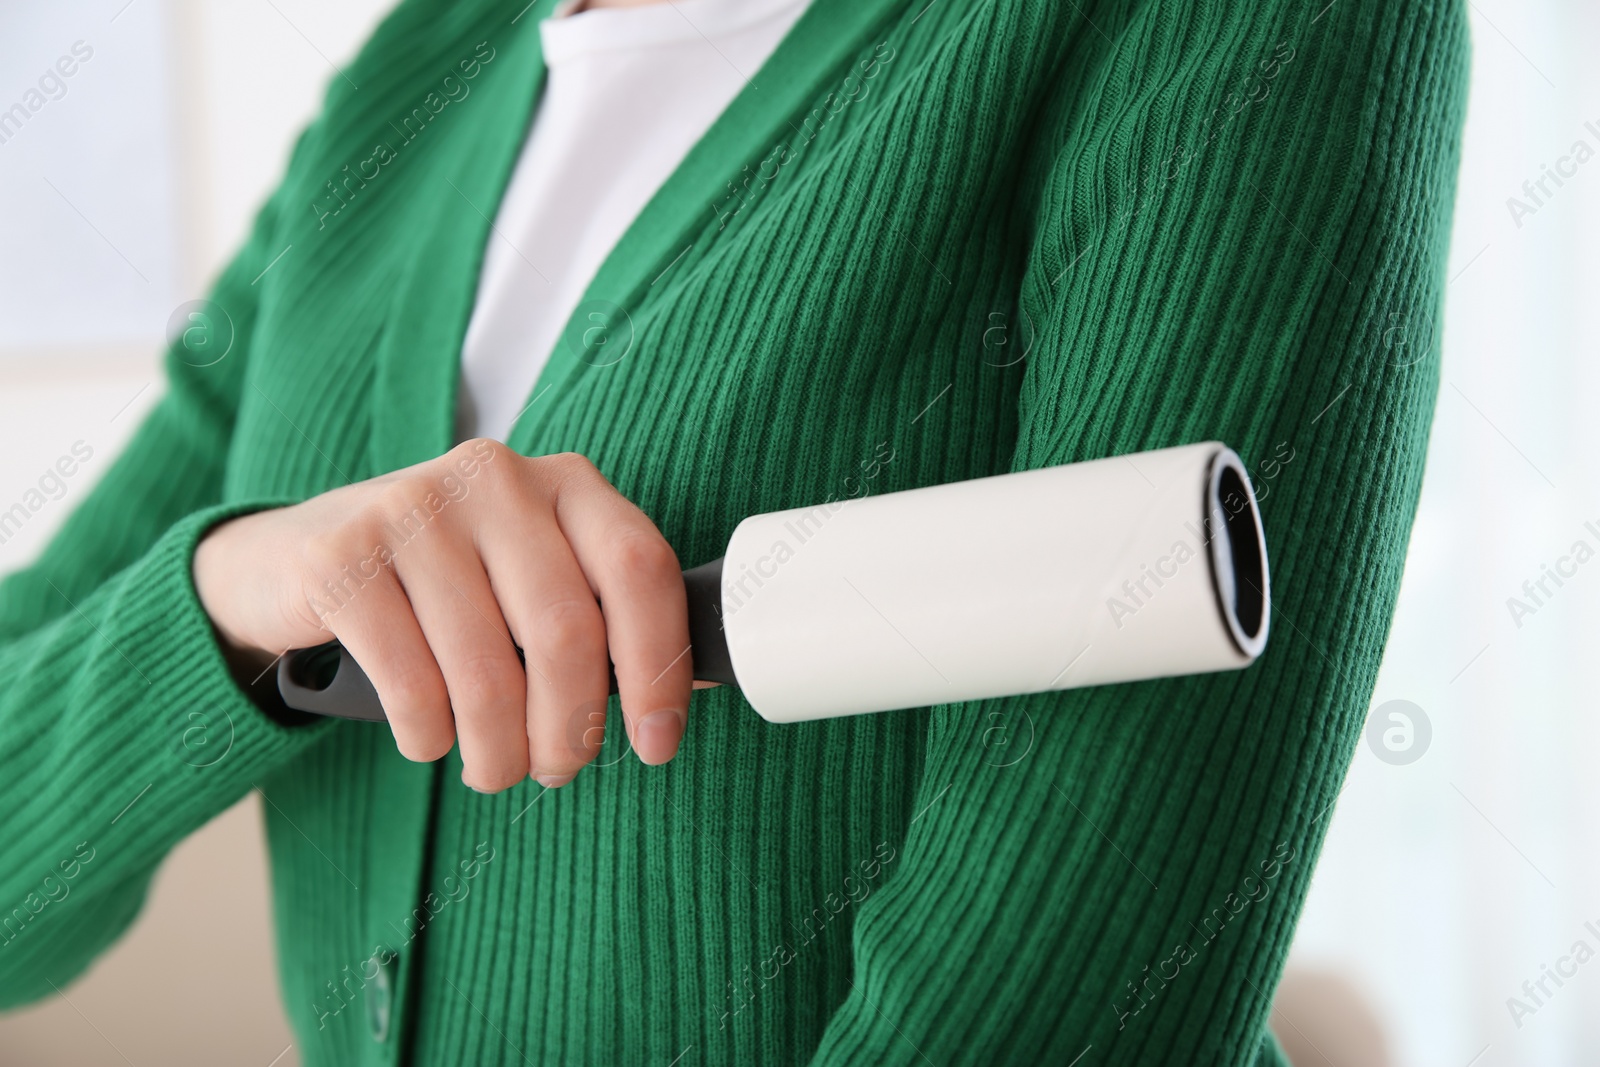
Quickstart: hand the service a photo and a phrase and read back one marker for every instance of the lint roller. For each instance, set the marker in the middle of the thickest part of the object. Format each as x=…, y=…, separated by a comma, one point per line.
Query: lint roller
x=1141, y=566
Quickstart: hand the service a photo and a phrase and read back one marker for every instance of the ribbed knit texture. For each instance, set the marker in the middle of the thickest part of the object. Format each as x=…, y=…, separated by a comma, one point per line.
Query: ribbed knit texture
x=1022, y=233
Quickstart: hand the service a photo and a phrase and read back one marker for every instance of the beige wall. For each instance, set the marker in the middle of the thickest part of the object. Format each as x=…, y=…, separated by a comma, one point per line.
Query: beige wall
x=194, y=982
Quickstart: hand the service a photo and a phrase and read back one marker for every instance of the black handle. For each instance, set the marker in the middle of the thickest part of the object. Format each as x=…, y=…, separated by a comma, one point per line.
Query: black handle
x=327, y=680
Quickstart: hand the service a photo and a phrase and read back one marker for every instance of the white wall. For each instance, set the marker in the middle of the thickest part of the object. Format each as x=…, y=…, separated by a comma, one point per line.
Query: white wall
x=1448, y=882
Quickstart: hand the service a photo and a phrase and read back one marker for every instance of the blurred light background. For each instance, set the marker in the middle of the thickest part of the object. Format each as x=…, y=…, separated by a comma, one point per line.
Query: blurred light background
x=1457, y=867
x=122, y=199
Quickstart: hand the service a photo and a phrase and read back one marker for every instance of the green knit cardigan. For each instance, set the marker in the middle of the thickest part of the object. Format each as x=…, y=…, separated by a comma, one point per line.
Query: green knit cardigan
x=930, y=240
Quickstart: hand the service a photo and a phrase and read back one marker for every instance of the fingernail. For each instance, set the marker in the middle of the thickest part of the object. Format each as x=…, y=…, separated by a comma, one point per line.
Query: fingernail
x=657, y=735
x=554, y=781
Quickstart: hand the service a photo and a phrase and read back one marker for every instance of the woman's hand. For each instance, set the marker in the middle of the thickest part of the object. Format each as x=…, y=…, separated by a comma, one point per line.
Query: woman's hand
x=434, y=575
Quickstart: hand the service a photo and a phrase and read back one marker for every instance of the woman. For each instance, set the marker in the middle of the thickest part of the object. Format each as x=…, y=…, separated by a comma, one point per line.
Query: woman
x=911, y=243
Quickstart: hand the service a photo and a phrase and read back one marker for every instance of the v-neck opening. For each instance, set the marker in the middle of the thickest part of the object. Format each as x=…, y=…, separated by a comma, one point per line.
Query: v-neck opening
x=415, y=419
x=825, y=35
x=563, y=37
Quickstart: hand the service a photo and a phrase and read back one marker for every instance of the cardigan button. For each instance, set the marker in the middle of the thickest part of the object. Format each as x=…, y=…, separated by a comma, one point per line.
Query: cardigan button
x=380, y=998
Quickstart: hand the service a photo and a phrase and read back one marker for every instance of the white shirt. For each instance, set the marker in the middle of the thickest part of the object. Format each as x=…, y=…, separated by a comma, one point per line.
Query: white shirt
x=629, y=92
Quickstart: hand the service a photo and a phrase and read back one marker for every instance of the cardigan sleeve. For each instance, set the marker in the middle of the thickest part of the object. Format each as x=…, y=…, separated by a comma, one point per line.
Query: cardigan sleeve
x=121, y=728
x=1239, y=233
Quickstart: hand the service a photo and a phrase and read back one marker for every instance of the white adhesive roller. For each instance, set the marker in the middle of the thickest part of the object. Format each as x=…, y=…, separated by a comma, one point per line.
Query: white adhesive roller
x=1114, y=570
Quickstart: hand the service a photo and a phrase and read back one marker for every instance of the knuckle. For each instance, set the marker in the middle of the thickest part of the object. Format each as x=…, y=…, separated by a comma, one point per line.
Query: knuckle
x=332, y=577
x=416, y=695
x=643, y=557
x=569, y=470
x=485, y=449
x=402, y=505
x=487, y=683
x=365, y=525
x=481, y=455
x=570, y=630
x=325, y=551
x=572, y=462
x=314, y=609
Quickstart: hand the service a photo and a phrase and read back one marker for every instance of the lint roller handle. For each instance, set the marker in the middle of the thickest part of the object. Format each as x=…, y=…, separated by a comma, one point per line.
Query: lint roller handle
x=327, y=680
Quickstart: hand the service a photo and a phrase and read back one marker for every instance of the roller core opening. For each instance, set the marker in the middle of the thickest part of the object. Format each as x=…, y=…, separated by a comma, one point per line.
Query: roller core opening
x=316, y=668
x=1239, y=555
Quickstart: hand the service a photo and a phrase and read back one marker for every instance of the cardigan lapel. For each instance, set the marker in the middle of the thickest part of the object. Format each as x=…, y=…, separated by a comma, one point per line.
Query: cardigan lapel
x=419, y=359
x=465, y=175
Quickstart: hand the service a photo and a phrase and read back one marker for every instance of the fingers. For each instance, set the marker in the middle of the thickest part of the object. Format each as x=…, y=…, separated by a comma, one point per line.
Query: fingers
x=543, y=555
x=635, y=574
x=386, y=640
x=457, y=612
x=552, y=612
